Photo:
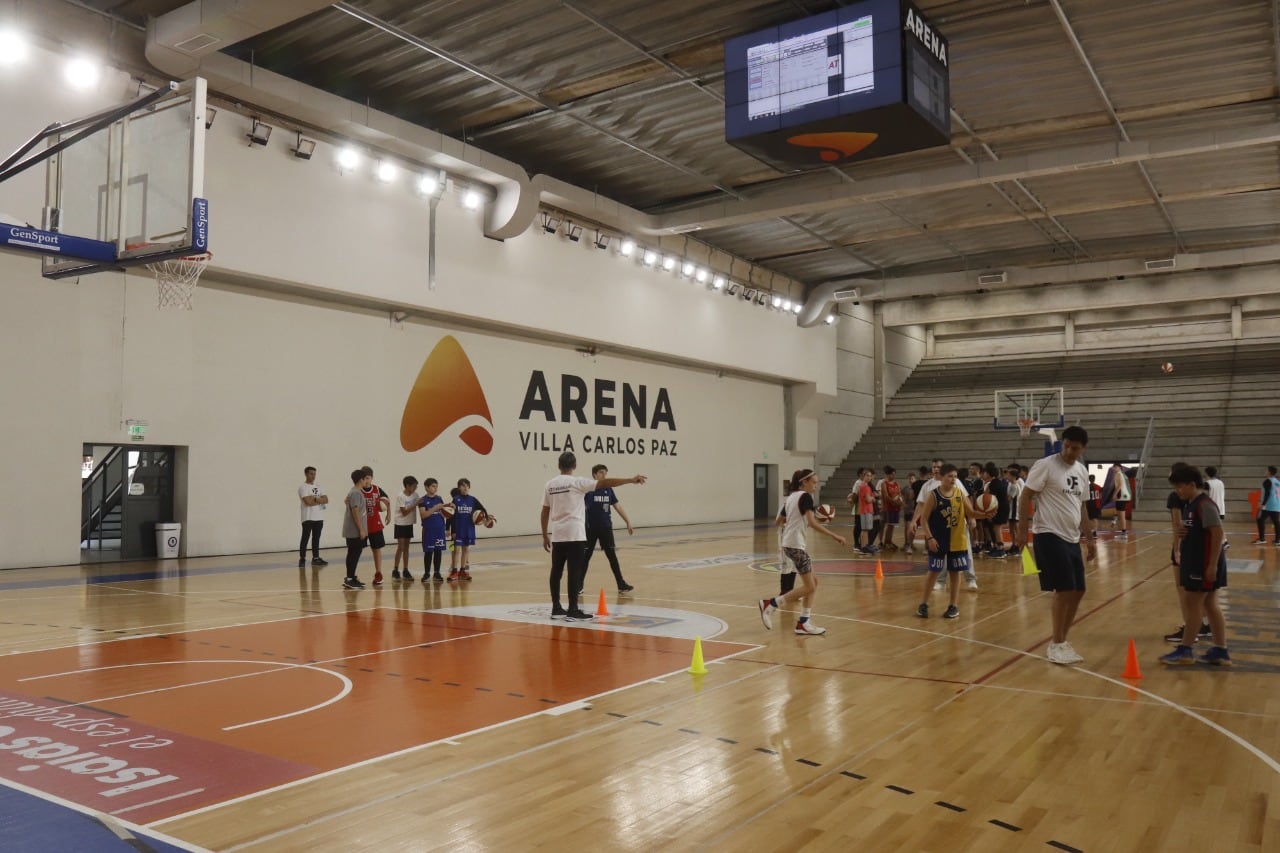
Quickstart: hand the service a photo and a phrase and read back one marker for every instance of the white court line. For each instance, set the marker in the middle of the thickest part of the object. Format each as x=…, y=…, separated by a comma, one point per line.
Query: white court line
x=1065, y=695
x=339, y=696
x=385, y=798
x=106, y=820
x=157, y=802
x=452, y=740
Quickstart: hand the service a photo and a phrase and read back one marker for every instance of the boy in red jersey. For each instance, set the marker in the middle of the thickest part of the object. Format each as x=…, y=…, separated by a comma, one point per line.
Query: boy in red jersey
x=377, y=503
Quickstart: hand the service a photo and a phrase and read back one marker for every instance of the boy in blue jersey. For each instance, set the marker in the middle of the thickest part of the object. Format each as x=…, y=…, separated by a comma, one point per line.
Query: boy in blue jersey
x=1202, y=571
x=434, y=539
x=600, y=506
x=945, y=513
x=467, y=510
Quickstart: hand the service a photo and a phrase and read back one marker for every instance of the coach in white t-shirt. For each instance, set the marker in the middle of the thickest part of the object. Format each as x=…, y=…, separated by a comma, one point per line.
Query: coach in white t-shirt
x=564, y=530
x=1059, y=487
x=313, y=500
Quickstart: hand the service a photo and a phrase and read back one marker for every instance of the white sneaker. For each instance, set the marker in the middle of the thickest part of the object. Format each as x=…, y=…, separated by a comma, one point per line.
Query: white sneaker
x=1071, y=655
x=908, y=550
x=766, y=611
x=807, y=627
x=1055, y=654
x=971, y=583
x=941, y=582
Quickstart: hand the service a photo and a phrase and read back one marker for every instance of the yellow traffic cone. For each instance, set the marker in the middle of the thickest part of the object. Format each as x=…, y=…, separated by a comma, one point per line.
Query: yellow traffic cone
x=1029, y=566
x=697, y=667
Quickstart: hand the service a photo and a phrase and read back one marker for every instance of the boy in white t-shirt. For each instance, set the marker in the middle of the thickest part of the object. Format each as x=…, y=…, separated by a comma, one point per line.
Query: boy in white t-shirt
x=406, y=515
x=564, y=530
x=313, y=499
x=1059, y=486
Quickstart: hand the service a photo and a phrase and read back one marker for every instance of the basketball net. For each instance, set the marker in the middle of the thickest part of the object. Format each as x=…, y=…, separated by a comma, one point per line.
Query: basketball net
x=1026, y=422
x=176, y=279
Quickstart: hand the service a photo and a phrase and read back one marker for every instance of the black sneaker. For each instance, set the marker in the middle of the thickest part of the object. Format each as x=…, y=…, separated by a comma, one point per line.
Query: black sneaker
x=437, y=577
x=626, y=587
x=577, y=616
x=395, y=574
x=1205, y=631
x=557, y=612
x=1174, y=636
x=923, y=611
x=302, y=564
x=406, y=577
x=952, y=612
x=352, y=583
x=319, y=561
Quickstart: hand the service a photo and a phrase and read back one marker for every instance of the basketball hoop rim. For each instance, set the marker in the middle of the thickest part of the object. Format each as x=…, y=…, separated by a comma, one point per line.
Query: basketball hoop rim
x=1026, y=425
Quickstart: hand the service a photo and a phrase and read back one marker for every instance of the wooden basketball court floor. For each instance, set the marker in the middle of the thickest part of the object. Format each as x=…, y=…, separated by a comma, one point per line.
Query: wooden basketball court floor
x=238, y=703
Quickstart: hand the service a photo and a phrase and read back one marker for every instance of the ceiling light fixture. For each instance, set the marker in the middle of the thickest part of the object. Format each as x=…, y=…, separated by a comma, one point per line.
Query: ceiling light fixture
x=573, y=232
x=210, y=113
x=471, y=199
x=348, y=158
x=82, y=73
x=550, y=223
x=650, y=257
x=669, y=263
x=303, y=148
x=429, y=183
x=13, y=47
x=386, y=171
x=718, y=282
x=626, y=247
x=259, y=133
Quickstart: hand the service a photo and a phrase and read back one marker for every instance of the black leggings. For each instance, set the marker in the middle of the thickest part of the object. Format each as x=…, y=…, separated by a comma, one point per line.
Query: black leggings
x=603, y=535
x=310, y=529
x=1274, y=517
x=572, y=554
x=429, y=559
x=355, y=547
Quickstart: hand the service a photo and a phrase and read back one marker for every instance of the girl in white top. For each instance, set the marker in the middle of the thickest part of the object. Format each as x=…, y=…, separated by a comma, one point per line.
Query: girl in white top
x=799, y=519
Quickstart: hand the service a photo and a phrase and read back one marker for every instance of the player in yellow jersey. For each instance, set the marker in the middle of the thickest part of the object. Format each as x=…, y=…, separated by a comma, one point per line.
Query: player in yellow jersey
x=946, y=512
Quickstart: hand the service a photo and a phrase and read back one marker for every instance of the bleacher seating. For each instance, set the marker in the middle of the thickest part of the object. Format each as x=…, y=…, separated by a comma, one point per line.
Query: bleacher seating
x=1220, y=406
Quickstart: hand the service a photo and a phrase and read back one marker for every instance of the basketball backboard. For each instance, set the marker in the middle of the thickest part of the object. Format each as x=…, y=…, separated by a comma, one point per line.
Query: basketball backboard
x=124, y=186
x=1042, y=406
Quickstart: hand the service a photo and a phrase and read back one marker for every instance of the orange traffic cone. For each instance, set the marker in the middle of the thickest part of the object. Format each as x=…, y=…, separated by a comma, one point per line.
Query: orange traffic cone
x=879, y=570
x=697, y=666
x=602, y=609
x=1131, y=663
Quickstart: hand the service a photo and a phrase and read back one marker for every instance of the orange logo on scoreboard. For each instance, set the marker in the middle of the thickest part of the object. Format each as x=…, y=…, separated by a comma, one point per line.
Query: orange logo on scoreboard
x=834, y=146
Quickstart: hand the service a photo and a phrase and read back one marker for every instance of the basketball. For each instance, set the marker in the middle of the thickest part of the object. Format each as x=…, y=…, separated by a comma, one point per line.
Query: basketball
x=1167, y=367
x=986, y=503
x=479, y=517
x=446, y=510
x=490, y=521
x=825, y=513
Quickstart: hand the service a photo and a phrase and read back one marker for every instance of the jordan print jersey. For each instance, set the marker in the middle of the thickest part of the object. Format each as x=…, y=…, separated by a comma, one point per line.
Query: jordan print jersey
x=947, y=522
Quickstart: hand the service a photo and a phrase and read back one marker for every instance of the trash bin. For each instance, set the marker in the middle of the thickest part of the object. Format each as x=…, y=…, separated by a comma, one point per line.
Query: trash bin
x=168, y=535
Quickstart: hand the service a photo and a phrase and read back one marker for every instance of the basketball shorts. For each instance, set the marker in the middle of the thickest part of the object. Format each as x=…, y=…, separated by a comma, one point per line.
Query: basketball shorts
x=949, y=561
x=464, y=537
x=377, y=539
x=1191, y=578
x=1094, y=511
x=800, y=558
x=434, y=544
x=1061, y=563
x=404, y=531
x=892, y=516
x=1121, y=506
x=867, y=519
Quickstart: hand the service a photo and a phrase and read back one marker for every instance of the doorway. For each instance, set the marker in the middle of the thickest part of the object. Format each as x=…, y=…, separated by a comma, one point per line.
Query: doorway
x=124, y=491
x=766, y=495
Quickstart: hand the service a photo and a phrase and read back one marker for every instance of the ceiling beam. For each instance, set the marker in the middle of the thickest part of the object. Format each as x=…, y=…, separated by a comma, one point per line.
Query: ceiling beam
x=782, y=200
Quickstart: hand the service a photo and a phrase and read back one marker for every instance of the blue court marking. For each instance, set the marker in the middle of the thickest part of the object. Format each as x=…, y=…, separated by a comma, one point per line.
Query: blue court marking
x=31, y=823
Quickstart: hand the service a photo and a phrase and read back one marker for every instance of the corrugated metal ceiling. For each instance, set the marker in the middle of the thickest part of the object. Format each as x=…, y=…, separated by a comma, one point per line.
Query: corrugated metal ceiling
x=1022, y=82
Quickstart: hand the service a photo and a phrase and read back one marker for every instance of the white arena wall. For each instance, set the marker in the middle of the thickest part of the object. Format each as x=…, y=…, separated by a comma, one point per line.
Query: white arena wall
x=291, y=357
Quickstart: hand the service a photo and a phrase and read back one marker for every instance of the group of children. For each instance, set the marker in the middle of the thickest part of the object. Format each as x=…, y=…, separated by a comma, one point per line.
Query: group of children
x=445, y=525
x=880, y=506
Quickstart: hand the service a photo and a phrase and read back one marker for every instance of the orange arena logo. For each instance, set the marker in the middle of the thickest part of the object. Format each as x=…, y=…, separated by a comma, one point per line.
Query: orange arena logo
x=834, y=146
x=446, y=392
